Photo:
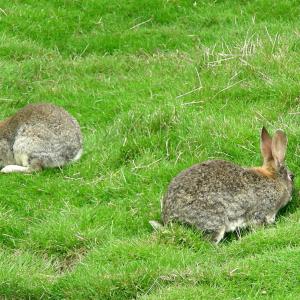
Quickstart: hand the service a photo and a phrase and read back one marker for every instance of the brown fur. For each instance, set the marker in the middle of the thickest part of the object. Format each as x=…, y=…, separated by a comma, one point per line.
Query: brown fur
x=265, y=171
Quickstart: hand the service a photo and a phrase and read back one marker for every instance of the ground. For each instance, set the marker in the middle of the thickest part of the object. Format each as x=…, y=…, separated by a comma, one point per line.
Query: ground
x=156, y=86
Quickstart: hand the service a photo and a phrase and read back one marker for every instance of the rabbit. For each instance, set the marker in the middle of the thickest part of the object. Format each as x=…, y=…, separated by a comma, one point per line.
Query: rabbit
x=218, y=196
x=39, y=136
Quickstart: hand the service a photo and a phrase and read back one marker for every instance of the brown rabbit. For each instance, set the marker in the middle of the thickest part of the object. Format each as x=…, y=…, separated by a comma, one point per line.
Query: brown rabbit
x=218, y=196
x=39, y=136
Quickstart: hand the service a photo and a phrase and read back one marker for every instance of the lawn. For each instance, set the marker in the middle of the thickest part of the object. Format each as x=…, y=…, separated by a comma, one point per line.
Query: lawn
x=156, y=86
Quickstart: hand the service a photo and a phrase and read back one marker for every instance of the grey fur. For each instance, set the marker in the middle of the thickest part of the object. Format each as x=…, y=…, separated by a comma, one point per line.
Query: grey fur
x=39, y=136
x=218, y=196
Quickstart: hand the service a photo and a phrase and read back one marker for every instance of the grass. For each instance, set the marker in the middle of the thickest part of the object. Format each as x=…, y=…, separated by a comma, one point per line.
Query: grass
x=156, y=86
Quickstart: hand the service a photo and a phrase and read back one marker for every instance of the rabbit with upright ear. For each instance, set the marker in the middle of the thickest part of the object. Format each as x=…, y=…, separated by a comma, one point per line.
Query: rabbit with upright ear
x=39, y=136
x=217, y=196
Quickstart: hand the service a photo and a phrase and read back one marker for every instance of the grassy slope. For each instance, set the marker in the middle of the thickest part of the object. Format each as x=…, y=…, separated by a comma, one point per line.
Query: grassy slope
x=82, y=232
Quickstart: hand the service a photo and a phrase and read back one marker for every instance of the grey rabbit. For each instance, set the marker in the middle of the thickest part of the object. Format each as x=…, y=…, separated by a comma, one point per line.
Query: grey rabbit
x=39, y=136
x=218, y=196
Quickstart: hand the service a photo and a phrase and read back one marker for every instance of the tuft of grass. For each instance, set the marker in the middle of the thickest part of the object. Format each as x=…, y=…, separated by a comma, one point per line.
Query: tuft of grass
x=156, y=87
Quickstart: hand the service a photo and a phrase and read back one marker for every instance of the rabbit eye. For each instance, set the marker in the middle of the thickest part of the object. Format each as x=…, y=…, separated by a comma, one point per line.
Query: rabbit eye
x=291, y=176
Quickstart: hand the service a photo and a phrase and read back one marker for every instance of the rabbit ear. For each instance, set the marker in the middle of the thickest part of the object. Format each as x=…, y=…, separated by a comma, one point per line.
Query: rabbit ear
x=266, y=145
x=279, y=144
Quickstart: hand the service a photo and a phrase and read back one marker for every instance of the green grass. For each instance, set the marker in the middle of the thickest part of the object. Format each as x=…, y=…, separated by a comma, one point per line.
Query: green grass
x=156, y=86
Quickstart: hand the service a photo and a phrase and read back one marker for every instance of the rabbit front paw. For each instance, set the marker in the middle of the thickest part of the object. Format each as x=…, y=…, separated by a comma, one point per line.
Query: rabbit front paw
x=270, y=219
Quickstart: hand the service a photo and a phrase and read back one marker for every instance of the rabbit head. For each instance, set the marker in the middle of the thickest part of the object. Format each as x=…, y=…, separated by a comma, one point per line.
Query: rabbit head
x=6, y=155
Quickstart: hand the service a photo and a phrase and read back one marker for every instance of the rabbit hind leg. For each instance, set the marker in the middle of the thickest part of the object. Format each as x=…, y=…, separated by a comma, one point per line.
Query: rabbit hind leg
x=37, y=152
x=21, y=165
x=34, y=166
x=27, y=163
x=15, y=169
x=218, y=235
